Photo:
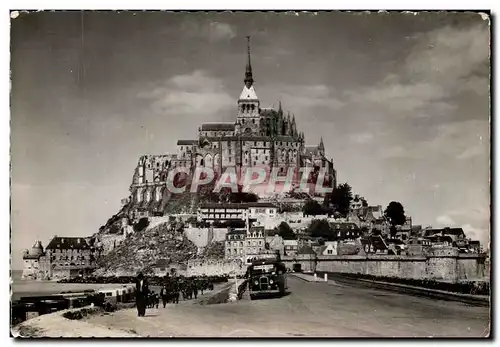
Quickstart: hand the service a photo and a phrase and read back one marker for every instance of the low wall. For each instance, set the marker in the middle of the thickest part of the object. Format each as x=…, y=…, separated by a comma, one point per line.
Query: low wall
x=221, y=296
x=451, y=267
x=213, y=267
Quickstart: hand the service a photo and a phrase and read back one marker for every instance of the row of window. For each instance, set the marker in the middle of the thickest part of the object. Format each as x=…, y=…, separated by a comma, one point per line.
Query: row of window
x=240, y=243
x=234, y=251
x=73, y=250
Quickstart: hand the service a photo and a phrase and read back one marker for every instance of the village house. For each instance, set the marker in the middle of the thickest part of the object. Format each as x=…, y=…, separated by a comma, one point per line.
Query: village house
x=290, y=247
x=64, y=257
x=235, y=247
x=235, y=212
x=329, y=248
x=345, y=231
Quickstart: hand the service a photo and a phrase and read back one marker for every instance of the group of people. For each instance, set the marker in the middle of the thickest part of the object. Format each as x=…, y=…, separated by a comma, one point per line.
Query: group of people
x=172, y=288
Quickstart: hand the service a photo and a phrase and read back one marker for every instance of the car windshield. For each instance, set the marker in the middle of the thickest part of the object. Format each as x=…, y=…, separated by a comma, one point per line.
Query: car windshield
x=258, y=269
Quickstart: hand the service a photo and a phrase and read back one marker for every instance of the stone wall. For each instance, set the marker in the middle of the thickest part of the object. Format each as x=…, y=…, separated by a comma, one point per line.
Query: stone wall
x=200, y=236
x=211, y=267
x=448, y=266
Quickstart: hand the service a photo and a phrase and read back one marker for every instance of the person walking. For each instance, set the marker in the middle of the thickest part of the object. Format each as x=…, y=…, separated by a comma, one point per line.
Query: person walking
x=164, y=295
x=141, y=294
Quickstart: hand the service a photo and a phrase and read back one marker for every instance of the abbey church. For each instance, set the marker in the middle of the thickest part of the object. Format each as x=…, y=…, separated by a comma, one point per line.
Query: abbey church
x=259, y=136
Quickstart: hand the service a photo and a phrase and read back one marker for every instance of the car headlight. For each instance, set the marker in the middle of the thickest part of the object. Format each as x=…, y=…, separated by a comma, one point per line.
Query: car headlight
x=271, y=281
x=256, y=282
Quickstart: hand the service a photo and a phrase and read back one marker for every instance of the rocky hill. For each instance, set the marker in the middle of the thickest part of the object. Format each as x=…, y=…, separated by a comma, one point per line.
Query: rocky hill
x=213, y=251
x=140, y=251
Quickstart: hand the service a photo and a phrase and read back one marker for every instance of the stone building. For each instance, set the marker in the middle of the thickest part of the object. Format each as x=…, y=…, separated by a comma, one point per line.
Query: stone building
x=235, y=244
x=63, y=257
x=259, y=137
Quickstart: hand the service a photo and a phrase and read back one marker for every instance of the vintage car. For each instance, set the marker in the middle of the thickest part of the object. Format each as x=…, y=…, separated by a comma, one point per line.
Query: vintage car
x=266, y=277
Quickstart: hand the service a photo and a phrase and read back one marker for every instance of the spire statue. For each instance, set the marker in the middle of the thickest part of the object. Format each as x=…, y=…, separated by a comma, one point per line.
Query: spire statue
x=248, y=73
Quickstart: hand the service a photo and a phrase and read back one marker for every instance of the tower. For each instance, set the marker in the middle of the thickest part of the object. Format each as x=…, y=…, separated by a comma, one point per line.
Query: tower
x=248, y=103
x=321, y=147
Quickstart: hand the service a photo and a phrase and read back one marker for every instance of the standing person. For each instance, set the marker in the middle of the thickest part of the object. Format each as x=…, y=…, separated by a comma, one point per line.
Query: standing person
x=141, y=294
x=195, y=289
x=164, y=295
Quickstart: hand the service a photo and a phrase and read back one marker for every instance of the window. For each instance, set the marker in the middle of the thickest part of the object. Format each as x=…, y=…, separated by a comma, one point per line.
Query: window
x=255, y=143
x=329, y=251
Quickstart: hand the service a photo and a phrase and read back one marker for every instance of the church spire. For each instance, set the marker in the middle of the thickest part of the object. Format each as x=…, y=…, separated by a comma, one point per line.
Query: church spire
x=248, y=73
x=280, y=109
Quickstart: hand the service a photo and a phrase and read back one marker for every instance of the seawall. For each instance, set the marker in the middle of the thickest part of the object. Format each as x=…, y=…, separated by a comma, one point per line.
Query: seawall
x=446, y=265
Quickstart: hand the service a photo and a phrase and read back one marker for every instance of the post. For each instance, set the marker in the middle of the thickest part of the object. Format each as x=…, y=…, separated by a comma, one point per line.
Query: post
x=315, y=277
x=326, y=277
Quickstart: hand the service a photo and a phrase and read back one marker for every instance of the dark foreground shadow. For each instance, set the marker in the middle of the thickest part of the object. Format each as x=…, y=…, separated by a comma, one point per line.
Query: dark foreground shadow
x=271, y=296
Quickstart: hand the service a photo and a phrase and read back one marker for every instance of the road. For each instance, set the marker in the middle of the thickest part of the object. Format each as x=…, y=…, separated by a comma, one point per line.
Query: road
x=313, y=310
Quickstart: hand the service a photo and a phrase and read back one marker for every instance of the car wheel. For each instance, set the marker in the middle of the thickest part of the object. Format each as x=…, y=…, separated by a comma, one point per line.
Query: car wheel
x=252, y=297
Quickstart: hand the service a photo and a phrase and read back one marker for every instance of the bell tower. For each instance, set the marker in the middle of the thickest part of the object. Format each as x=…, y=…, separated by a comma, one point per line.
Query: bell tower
x=248, y=103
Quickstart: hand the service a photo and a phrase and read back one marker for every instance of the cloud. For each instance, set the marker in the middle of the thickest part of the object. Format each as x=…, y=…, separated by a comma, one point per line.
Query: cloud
x=196, y=93
x=474, y=221
x=361, y=137
x=308, y=96
x=447, y=54
x=458, y=140
x=212, y=31
x=445, y=220
x=441, y=64
x=395, y=152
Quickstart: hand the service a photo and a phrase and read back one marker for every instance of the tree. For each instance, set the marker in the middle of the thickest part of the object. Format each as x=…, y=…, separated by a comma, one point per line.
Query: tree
x=320, y=228
x=114, y=229
x=285, y=231
x=312, y=208
x=395, y=214
x=364, y=202
x=341, y=199
x=141, y=224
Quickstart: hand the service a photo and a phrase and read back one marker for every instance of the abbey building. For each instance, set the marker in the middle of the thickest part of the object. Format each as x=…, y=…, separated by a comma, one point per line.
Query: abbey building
x=259, y=137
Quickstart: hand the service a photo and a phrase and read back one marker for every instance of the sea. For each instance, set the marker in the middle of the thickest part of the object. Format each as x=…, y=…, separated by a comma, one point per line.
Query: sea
x=24, y=288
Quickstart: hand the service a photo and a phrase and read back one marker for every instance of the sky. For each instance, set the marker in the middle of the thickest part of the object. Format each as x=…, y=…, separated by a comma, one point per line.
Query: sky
x=401, y=101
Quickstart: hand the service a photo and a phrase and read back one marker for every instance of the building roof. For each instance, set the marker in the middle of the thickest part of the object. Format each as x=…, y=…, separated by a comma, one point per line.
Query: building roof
x=311, y=149
x=321, y=249
x=68, y=243
x=377, y=242
x=268, y=112
x=237, y=232
x=248, y=94
x=220, y=126
x=305, y=250
x=445, y=231
x=186, y=142
x=286, y=138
